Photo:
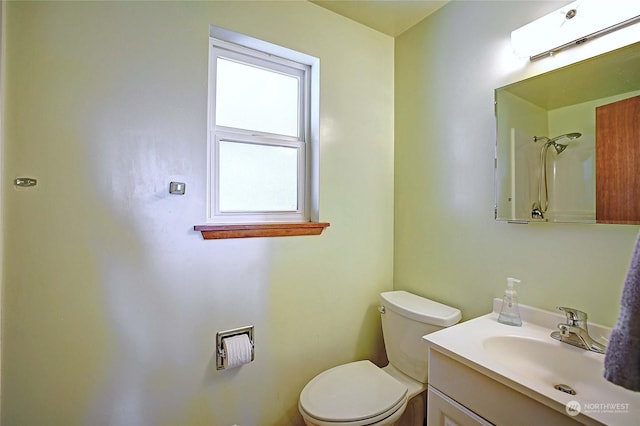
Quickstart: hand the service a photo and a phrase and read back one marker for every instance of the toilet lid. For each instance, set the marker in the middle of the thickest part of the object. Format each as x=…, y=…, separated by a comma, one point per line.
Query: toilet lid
x=352, y=392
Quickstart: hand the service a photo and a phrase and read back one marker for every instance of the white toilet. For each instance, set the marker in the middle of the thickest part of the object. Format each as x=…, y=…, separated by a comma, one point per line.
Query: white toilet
x=360, y=393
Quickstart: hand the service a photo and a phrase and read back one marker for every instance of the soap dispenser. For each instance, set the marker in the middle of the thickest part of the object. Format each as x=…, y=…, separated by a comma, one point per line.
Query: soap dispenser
x=510, y=314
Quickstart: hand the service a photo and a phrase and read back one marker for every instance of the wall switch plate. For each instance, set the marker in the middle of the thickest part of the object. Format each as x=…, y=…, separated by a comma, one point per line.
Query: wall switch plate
x=177, y=188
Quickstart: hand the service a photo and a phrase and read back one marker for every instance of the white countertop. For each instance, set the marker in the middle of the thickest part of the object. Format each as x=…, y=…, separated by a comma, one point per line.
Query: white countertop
x=534, y=374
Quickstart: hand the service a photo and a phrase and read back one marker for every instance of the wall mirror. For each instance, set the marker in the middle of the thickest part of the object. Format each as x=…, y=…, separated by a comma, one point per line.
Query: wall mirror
x=568, y=143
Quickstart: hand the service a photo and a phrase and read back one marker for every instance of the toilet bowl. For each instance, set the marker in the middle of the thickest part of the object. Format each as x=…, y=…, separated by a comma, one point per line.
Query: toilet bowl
x=360, y=393
x=354, y=394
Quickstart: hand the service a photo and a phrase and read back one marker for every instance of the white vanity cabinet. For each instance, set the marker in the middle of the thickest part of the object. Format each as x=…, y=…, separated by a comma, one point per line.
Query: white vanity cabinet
x=462, y=396
x=444, y=411
x=484, y=372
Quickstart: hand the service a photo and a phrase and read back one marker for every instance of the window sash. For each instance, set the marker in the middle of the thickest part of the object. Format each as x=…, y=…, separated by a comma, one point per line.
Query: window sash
x=275, y=64
x=257, y=99
x=219, y=216
x=218, y=133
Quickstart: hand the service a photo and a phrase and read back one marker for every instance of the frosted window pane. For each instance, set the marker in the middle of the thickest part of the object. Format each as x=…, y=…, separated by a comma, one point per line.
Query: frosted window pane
x=253, y=98
x=257, y=178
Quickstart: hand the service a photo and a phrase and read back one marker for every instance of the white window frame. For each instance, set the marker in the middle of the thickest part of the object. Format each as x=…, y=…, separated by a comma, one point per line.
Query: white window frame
x=233, y=46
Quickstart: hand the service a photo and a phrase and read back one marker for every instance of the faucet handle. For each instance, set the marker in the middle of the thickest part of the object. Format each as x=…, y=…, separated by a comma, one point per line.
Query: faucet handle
x=575, y=317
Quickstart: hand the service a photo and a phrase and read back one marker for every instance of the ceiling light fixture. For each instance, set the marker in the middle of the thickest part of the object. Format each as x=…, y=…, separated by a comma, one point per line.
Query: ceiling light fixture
x=573, y=24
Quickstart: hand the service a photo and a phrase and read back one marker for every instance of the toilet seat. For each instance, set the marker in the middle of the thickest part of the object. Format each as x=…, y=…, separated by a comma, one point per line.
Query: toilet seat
x=353, y=394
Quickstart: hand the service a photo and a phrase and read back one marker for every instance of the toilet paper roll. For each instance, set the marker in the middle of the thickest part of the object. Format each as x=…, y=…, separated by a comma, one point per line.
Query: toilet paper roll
x=237, y=349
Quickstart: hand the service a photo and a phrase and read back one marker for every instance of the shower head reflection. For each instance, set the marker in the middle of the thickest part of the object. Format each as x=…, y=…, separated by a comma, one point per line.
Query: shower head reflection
x=540, y=206
x=570, y=136
x=553, y=142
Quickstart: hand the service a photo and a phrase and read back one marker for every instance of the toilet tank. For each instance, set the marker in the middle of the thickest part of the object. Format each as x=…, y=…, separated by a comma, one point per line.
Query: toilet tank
x=407, y=317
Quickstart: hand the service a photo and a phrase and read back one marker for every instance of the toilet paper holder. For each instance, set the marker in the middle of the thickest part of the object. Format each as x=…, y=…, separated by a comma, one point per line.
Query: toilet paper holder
x=221, y=335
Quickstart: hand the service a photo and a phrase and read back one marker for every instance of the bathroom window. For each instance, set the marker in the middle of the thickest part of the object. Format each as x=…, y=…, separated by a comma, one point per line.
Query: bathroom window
x=263, y=110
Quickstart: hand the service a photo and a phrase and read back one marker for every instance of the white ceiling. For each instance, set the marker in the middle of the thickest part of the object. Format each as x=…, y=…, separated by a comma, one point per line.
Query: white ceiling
x=391, y=17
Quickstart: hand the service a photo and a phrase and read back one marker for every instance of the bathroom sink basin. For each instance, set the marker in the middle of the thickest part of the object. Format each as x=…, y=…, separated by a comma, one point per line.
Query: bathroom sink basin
x=528, y=360
x=548, y=360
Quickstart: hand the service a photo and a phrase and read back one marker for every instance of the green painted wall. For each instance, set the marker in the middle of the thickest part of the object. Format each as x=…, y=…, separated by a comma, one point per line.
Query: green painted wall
x=111, y=301
x=447, y=245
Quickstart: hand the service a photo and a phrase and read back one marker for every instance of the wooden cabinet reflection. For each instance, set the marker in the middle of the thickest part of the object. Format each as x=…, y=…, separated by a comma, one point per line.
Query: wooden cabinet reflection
x=618, y=162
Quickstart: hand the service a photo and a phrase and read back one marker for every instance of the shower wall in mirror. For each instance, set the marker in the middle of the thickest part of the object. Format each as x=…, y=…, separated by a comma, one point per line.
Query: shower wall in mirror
x=546, y=138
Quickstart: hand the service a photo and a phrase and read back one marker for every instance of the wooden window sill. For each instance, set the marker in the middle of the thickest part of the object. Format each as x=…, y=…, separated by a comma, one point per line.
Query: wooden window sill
x=217, y=232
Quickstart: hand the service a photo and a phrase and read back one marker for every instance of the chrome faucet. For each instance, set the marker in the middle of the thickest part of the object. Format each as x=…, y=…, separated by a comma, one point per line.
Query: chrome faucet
x=575, y=331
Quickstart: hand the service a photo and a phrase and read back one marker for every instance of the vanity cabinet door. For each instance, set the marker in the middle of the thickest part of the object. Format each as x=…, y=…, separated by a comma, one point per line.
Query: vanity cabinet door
x=444, y=411
x=487, y=399
x=618, y=162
